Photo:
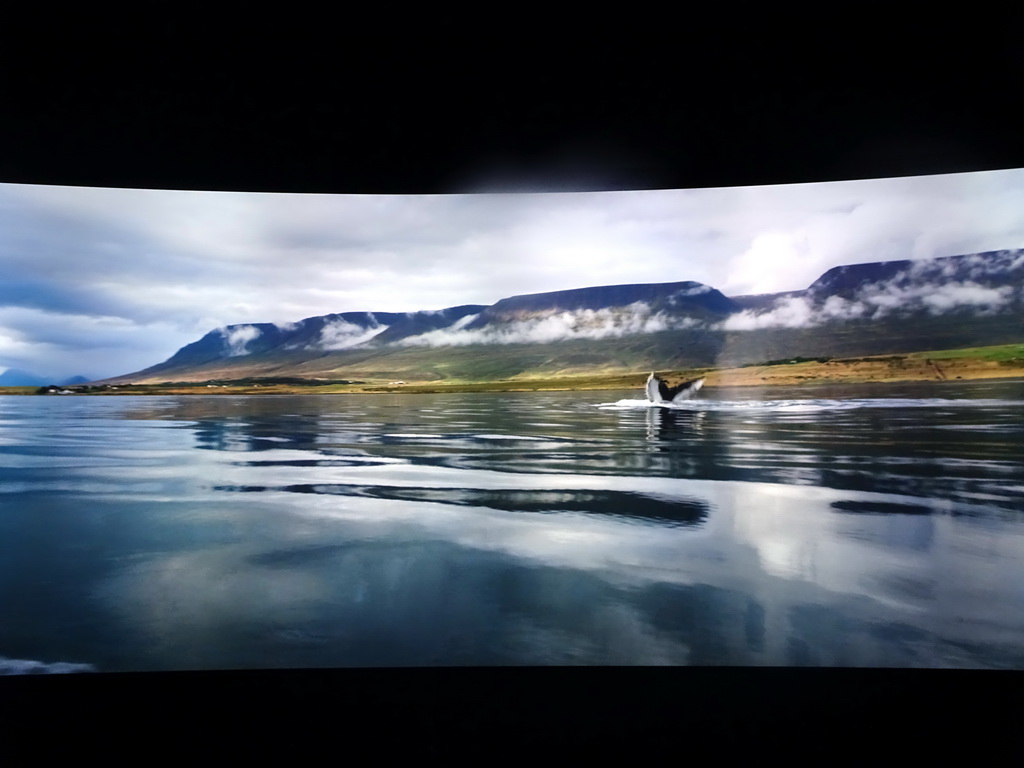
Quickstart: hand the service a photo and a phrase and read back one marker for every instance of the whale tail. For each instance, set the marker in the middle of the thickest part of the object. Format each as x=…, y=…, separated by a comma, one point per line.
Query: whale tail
x=658, y=390
x=651, y=387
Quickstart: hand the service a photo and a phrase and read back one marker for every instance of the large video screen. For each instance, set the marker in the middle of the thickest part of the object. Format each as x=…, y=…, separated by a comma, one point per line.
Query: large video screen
x=756, y=426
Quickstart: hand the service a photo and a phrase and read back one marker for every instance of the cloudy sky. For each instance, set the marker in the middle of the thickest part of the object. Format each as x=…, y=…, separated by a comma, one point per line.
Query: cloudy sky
x=102, y=282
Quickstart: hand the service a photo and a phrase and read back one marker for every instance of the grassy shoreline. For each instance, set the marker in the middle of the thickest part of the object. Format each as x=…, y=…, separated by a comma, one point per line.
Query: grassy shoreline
x=972, y=364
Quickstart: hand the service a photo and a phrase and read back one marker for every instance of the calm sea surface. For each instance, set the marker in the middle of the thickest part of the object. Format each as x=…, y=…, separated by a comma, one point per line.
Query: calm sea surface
x=845, y=526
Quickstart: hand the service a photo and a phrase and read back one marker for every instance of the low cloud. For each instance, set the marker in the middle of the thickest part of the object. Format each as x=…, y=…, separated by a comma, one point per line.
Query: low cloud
x=798, y=312
x=635, y=319
x=936, y=298
x=695, y=290
x=792, y=312
x=968, y=294
x=238, y=338
x=342, y=334
x=920, y=287
x=976, y=267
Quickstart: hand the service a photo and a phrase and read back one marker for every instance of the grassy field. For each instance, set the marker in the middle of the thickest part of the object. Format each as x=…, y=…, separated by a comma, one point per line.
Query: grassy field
x=996, y=362
x=1004, y=353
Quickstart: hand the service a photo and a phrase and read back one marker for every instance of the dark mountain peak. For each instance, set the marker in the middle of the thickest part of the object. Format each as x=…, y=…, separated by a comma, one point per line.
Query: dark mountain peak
x=601, y=297
x=988, y=268
x=687, y=297
x=848, y=278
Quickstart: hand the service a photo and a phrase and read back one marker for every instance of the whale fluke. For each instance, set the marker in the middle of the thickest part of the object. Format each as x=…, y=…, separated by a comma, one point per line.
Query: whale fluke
x=658, y=390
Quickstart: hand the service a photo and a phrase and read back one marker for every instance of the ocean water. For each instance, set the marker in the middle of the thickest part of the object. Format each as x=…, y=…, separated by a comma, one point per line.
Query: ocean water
x=851, y=526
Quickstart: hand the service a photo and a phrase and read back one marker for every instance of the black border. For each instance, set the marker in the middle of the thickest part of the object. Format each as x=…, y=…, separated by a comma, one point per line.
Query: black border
x=174, y=105
x=784, y=97
x=681, y=713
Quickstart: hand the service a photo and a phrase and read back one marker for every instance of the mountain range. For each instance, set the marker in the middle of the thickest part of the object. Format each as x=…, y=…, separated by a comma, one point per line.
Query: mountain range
x=15, y=377
x=859, y=309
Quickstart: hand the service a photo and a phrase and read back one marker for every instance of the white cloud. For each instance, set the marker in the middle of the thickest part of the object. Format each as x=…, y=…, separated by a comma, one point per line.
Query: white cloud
x=791, y=312
x=912, y=290
x=695, y=290
x=946, y=297
x=13, y=345
x=238, y=339
x=908, y=290
x=341, y=334
x=462, y=322
x=557, y=326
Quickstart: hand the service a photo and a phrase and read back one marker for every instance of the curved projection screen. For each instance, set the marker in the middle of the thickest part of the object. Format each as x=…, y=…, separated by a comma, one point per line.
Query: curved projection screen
x=255, y=431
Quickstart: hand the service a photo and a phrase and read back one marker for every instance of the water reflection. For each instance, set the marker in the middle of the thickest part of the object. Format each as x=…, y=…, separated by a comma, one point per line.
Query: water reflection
x=174, y=533
x=665, y=425
x=881, y=507
x=891, y=445
x=616, y=504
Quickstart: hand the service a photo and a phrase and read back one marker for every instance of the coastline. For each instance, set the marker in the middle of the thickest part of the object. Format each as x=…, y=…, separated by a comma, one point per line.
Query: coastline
x=984, y=363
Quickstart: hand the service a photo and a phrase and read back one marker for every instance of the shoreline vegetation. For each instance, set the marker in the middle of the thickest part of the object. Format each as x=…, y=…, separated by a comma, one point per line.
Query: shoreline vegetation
x=970, y=364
